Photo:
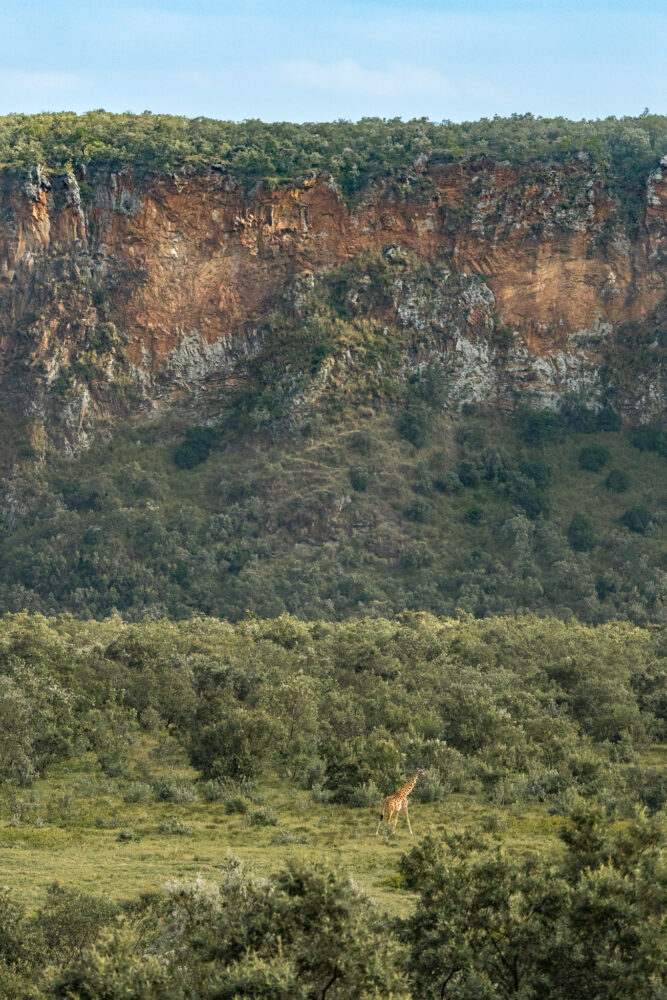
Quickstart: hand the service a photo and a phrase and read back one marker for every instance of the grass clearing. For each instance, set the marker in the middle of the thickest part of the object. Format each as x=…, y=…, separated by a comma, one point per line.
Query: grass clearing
x=71, y=821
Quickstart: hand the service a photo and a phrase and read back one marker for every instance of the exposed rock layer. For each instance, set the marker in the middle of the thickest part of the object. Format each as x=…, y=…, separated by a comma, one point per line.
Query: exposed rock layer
x=164, y=277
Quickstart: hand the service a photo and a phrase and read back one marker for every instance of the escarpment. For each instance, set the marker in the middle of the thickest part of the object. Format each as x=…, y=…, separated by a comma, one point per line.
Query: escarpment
x=118, y=289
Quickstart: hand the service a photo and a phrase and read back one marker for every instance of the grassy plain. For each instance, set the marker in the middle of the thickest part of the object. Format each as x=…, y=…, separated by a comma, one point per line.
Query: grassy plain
x=69, y=827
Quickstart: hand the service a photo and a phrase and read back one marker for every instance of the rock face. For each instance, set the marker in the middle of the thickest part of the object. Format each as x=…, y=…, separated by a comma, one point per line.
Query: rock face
x=118, y=289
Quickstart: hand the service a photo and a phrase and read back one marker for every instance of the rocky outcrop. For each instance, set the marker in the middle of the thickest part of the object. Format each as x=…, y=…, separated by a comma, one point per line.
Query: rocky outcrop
x=117, y=289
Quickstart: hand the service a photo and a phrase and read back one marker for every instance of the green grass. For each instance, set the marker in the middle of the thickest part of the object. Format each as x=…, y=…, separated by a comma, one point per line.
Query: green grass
x=72, y=849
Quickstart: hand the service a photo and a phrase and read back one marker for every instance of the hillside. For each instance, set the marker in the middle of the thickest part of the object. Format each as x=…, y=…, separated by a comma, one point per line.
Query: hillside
x=332, y=369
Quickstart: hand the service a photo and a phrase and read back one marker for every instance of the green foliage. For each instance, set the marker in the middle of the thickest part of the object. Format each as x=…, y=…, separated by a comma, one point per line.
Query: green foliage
x=637, y=519
x=539, y=427
x=580, y=533
x=195, y=448
x=539, y=472
x=594, y=458
x=650, y=438
x=359, y=480
x=412, y=425
x=608, y=420
x=618, y=481
x=355, y=154
x=489, y=926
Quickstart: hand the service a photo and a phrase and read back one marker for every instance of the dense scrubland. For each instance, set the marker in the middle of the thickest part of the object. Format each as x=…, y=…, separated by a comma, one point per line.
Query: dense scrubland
x=354, y=153
x=370, y=512
x=539, y=874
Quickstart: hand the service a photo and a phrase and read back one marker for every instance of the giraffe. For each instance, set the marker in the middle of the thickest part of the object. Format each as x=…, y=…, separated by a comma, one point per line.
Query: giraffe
x=399, y=800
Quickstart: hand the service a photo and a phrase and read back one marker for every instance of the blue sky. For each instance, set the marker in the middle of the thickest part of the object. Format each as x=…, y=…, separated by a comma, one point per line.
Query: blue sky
x=302, y=61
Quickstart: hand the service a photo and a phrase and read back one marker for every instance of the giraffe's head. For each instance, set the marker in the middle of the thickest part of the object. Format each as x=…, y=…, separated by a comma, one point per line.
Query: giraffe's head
x=420, y=772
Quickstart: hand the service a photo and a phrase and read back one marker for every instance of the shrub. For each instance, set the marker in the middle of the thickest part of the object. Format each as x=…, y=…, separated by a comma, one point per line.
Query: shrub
x=608, y=420
x=287, y=837
x=237, y=804
x=650, y=438
x=447, y=482
x=416, y=511
x=579, y=418
x=468, y=473
x=367, y=794
x=617, y=481
x=539, y=427
x=580, y=534
x=430, y=789
x=358, y=480
x=473, y=515
x=539, y=472
x=594, y=458
x=262, y=817
x=175, y=826
x=196, y=447
x=125, y=835
x=526, y=494
x=174, y=790
x=412, y=425
x=138, y=791
x=637, y=519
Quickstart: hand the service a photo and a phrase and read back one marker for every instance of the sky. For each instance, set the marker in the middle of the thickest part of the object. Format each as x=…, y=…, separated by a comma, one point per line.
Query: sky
x=317, y=61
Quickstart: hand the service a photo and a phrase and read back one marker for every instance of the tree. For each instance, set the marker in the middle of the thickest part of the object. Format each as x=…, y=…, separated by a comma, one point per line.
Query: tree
x=488, y=926
x=580, y=534
x=593, y=458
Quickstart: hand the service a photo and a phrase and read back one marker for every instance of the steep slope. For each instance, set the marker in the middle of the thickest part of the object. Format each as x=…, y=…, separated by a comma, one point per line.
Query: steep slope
x=392, y=373
x=147, y=284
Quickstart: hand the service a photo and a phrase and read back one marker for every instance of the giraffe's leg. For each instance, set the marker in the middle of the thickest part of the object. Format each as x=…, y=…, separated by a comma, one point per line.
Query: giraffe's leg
x=380, y=823
x=389, y=815
x=407, y=816
x=398, y=812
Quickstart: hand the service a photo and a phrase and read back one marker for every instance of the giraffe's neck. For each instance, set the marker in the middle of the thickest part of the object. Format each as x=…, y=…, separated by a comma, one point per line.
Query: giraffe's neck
x=406, y=789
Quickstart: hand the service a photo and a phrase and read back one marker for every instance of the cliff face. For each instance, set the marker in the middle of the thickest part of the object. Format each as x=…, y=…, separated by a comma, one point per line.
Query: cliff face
x=115, y=288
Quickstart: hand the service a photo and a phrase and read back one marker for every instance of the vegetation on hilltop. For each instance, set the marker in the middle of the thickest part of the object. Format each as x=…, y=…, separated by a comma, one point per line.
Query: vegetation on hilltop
x=624, y=149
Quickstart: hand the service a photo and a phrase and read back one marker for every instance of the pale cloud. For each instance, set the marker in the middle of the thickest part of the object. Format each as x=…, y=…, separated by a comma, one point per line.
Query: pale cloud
x=345, y=76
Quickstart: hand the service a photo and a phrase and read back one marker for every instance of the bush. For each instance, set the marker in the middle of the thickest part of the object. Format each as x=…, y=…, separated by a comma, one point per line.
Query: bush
x=594, y=458
x=618, y=481
x=367, y=794
x=580, y=534
x=473, y=515
x=608, y=420
x=412, y=426
x=125, y=835
x=637, y=519
x=262, y=817
x=650, y=438
x=539, y=427
x=196, y=447
x=138, y=791
x=539, y=472
x=174, y=790
x=416, y=511
x=527, y=495
x=468, y=473
x=358, y=480
x=237, y=804
x=176, y=827
x=284, y=837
